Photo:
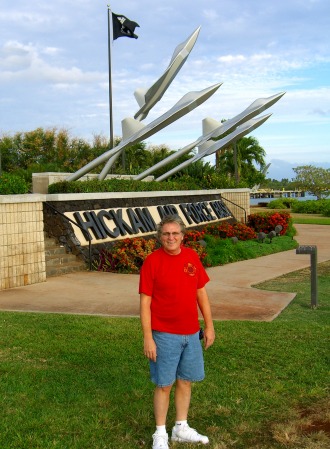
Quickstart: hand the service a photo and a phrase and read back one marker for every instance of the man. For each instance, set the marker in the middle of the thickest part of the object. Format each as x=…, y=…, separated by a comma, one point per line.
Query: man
x=172, y=287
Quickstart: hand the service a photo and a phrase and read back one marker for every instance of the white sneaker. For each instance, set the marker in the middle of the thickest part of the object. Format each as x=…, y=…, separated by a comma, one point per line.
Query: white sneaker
x=188, y=435
x=160, y=441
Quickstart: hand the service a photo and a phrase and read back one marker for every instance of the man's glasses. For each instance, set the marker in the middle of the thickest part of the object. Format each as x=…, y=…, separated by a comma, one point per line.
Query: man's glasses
x=168, y=234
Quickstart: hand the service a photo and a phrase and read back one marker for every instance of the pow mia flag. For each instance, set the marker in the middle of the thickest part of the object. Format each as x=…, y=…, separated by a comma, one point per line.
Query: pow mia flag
x=122, y=26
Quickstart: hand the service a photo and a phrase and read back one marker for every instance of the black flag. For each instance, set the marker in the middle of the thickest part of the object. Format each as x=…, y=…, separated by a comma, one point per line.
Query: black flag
x=122, y=26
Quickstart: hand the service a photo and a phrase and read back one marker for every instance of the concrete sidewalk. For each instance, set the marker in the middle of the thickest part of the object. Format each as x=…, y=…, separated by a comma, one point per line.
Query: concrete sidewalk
x=230, y=289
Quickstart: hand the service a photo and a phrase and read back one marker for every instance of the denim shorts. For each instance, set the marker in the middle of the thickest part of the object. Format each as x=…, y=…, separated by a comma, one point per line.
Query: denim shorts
x=178, y=357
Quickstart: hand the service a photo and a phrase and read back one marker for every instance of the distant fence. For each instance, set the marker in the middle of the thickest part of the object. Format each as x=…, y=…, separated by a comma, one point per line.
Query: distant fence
x=277, y=194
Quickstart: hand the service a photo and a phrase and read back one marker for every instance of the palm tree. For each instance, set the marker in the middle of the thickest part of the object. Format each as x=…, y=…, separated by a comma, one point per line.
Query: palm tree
x=248, y=152
x=137, y=158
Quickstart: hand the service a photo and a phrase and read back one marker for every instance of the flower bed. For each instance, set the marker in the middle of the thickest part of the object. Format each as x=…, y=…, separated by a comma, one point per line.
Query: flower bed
x=128, y=255
x=266, y=222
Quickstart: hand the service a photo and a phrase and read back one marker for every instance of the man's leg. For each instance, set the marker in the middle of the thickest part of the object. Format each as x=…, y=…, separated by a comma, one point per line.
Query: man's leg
x=161, y=404
x=182, y=399
x=182, y=432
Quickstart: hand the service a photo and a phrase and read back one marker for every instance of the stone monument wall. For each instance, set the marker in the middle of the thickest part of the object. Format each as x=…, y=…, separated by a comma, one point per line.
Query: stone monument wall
x=24, y=220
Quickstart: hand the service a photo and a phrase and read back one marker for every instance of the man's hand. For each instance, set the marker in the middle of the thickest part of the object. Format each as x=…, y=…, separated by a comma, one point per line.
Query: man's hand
x=209, y=337
x=150, y=349
x=205, y=308
x=149, y=345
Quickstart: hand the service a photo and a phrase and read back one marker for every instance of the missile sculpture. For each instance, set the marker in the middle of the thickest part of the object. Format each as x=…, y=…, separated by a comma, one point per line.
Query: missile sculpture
x=214, y=129
x=187, y=103
x=241, y=131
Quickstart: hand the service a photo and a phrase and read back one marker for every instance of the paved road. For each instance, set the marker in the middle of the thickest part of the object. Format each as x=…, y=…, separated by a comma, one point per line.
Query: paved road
x=231, y=293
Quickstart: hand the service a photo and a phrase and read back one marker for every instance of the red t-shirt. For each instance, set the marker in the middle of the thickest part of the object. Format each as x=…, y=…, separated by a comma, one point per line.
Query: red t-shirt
x=172, y=282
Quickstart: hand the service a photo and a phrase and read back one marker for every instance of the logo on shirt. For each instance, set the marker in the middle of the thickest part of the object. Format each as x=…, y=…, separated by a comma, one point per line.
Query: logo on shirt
x=190, y=269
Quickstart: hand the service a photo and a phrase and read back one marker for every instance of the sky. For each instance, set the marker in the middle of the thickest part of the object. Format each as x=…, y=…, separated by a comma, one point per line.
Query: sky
x=54, y=70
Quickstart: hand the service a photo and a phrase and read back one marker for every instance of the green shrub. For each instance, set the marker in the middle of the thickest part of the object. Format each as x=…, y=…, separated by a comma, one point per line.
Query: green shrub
x=12, y=184
x=276, y=204
x=221, y=181
x=311, y=206
x=224, y=251
x=326, y=208
x=282, y=203
x=26, y=173
x=220, y=251
x=120, y=185
x=291, y=231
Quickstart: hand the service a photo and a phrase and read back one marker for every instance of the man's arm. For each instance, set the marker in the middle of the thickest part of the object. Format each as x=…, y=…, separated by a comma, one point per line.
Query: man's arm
x=149, y=348
x=205, y=308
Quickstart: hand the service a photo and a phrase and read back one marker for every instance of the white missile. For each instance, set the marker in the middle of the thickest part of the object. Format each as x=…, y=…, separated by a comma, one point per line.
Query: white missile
x=147, y=98
x=241, y=131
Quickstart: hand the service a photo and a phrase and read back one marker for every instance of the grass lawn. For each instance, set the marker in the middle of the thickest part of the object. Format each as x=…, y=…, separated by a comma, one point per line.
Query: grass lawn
x=78, y=382
x=224, y=251
x=81, y=382
x=310, y=219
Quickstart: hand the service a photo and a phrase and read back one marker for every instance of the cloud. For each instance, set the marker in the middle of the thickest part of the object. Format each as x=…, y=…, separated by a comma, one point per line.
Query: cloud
x=54, y=67
x=25, y=18
x=21, y=62
x=15, y=56
x=210, y=14
x=321, y=112
x=231, y=59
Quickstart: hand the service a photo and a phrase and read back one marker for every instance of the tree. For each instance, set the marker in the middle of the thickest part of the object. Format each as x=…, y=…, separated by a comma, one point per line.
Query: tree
x=55, y=150
x=314, y=180
x=139, y=157
x=275, y=184
x=136, y=159
x=158, y=153
x=248, y=152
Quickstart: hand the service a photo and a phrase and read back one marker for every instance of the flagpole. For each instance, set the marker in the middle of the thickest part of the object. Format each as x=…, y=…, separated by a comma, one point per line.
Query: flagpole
x=110, y=77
